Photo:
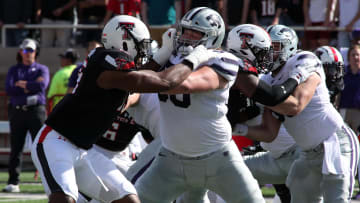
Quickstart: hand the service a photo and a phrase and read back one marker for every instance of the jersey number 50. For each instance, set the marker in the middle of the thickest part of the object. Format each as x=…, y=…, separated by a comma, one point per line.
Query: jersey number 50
x=184, y=103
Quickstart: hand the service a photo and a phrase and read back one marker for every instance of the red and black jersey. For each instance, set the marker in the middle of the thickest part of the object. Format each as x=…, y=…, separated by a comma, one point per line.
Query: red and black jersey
x=121, y=132
x=84, y=116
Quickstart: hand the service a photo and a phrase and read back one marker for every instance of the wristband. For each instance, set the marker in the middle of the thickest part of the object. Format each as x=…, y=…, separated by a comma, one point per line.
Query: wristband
x=188, y=63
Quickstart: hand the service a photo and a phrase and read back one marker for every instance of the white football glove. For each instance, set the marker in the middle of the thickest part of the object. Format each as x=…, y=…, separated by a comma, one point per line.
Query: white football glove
x=301, y=73
x=167, y=47
x=200, y=55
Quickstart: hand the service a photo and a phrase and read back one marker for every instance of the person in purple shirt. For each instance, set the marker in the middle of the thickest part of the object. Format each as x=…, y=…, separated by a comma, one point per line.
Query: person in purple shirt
x=350, y=96
x=26, y=83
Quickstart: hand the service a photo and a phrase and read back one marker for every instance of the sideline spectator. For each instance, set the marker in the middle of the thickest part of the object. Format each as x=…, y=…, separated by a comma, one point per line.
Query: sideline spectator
x=154, y=12
x=217, y=5
x=91, y=12
x=59, y=82
x=58, y=12
x=318, y=13
x=349, y=17
x=234, y=17
x=74, y=75
x=265, y=12
x=293, y=15
x=162, y=12
x=350, y=96
x=122, y=7
x=17, y=12
x=26, y=83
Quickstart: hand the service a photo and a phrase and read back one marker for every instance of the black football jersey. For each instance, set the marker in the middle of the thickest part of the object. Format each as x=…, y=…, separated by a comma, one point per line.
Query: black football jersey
x=85, y=115
x=121, y=132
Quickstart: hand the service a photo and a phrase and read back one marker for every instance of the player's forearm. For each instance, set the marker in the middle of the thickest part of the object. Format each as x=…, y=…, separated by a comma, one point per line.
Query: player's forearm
x=151, y=65
x=267, y=131
x=201, y=80
x=145, y=80
x=274, y=95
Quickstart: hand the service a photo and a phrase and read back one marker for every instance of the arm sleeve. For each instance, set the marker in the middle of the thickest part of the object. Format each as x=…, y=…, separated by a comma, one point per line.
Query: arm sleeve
x=274, y=95
x=11, y=89
x=34, y=86
x=73, y=77
x=226, y=65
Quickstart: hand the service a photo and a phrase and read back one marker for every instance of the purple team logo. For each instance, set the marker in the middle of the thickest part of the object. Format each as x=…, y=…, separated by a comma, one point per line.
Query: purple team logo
x=125, y=26
x=214, y=20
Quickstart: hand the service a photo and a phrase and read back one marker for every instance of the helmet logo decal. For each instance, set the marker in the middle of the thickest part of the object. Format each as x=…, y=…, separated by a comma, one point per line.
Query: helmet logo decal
x=125, y=26
x=214, y=20
x=287, y=31
x=245, y=37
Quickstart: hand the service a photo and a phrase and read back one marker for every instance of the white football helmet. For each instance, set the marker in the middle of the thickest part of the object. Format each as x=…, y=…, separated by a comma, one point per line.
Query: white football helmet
x=204, y=20
x=129, y=34
x=288, y=40
x=253, y=43
x=333, y=64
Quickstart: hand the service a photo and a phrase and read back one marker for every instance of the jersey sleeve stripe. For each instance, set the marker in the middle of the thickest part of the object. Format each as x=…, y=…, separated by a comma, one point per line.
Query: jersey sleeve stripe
x=222, y=70
x=230, y=61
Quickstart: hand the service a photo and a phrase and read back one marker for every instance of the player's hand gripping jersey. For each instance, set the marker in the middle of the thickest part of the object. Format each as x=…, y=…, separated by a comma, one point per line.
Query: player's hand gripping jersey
x=206, y=110
x=87, y=113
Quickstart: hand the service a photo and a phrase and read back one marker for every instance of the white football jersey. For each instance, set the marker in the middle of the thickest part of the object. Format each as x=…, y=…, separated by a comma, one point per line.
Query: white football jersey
x=146, y=113
x=319, y=119
x=196, y=124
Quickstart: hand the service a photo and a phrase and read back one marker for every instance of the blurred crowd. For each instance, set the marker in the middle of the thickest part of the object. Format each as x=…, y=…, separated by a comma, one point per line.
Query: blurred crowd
x=301, y=13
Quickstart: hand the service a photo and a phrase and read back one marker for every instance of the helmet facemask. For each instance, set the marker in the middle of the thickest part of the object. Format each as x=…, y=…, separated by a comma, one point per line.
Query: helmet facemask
x=281, y=53
x=185, y=46
x=263, y=58
x=143, y=49
x=334, y=73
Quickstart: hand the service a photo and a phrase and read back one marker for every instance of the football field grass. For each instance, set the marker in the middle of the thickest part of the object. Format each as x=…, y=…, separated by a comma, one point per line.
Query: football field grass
x=32, y=190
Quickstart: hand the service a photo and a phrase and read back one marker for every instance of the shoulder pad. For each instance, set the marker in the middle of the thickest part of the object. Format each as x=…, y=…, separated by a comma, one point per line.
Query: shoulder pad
x=118, y=60
x=306, y=58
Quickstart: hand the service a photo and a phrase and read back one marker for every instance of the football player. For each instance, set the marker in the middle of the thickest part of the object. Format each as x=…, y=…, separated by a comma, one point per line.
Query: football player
x=253, y=45
x=327, y=167
x=333, y=64
x=60, y=149
x=197, y=152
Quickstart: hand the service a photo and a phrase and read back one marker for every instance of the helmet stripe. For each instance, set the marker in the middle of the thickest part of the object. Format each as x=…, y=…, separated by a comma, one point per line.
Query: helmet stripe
x=336, y=59
x=195, y=12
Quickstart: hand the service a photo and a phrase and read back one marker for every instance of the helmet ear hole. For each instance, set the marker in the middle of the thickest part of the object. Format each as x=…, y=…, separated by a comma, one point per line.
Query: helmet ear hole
x=125, y=46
